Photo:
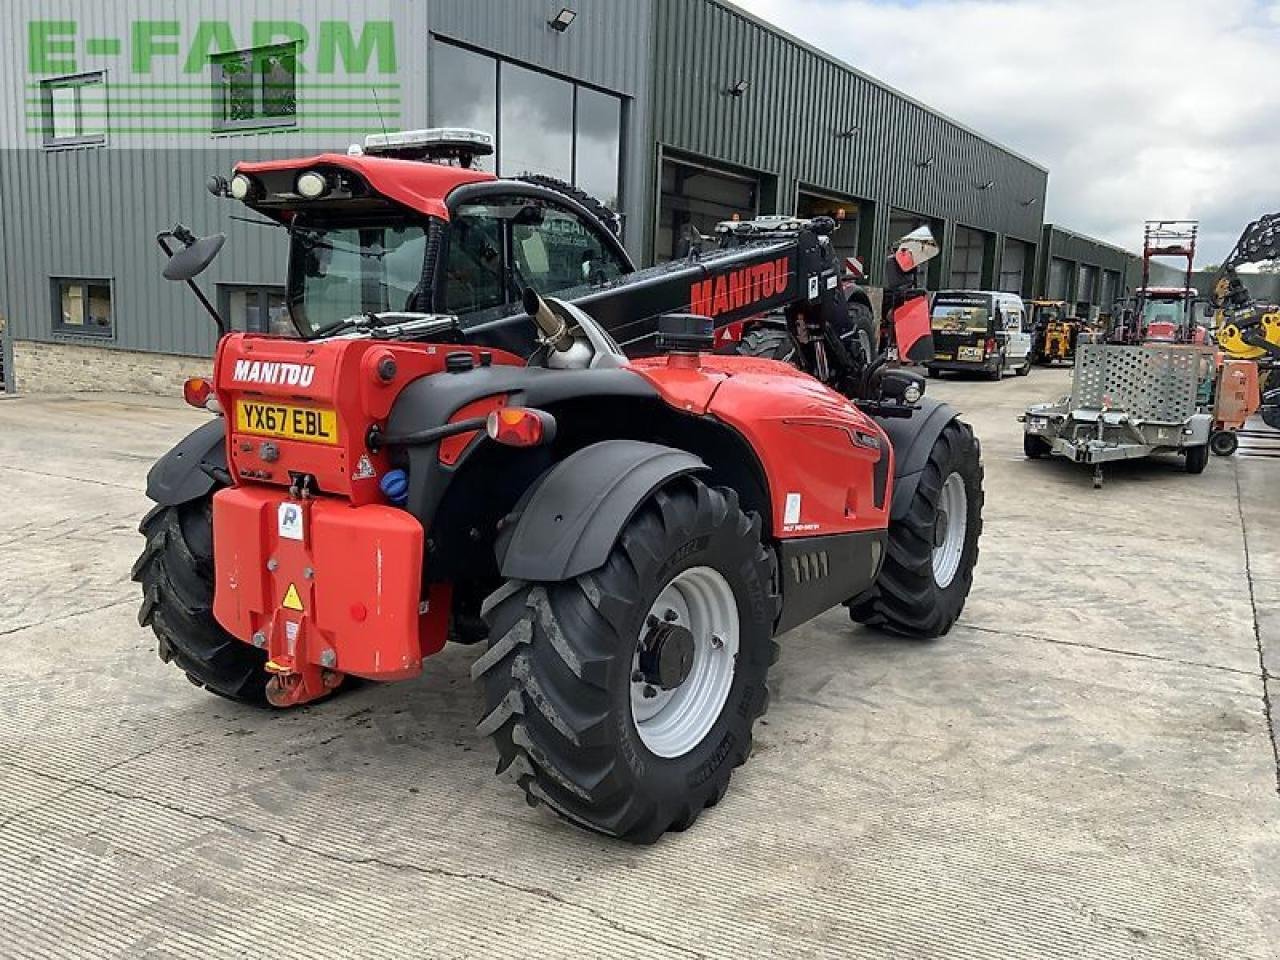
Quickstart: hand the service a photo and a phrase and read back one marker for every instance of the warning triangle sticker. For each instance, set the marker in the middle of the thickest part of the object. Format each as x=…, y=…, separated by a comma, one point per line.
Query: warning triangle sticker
x=292, y=601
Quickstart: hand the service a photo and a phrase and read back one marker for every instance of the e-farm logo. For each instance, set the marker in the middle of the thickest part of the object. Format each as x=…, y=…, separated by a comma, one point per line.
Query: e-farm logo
x=211, y=76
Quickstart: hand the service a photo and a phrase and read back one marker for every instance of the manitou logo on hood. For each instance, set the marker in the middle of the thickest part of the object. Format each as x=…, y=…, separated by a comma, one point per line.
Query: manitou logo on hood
x=739, y=288
x=276, y=374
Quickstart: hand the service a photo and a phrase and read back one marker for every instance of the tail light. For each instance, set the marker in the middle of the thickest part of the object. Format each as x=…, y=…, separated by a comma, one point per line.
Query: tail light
x=991, y=345
x=521, y=427
x=198, y=392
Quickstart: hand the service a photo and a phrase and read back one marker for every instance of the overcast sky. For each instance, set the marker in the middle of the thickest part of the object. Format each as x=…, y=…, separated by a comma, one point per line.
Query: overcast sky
x=1140, y=110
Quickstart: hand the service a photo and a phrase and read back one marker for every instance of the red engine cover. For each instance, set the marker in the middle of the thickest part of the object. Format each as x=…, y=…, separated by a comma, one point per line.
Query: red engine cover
x=820, y=453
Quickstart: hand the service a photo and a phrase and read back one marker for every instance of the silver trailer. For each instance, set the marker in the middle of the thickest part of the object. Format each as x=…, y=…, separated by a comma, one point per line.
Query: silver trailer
x=1129, y=402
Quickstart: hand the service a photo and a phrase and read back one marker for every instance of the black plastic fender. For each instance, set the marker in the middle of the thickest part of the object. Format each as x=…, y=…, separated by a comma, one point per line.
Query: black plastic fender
x=913, y=438
x=185, y=473
x=566, y=524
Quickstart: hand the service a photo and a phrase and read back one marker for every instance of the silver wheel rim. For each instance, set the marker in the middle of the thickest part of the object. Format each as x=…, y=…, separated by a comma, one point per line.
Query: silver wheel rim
x=672, y=722
x=864, y=344
x=953, y=507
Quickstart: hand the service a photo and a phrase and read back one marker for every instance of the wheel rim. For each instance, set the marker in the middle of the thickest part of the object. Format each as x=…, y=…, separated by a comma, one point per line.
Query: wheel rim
x=864, y=344
x=671, y=722
x=950, y=529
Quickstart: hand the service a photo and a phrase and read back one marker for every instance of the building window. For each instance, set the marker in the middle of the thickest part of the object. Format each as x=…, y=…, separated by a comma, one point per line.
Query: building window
x=255, y=88
x=75, y=110
x=83, y=307
x=540, y=123
x=464, y=92
x=256, y=309
x=535, y=116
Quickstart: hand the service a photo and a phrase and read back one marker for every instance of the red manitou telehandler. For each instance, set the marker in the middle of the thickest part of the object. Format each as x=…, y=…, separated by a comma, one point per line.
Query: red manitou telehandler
x=445, y=454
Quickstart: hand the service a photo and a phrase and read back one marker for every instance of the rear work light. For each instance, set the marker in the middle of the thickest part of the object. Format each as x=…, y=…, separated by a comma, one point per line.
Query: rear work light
x=521, y=427
x=198, y=392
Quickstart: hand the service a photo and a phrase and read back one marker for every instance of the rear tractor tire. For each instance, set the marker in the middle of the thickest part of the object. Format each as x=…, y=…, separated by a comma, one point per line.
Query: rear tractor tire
x=625, y=697
x=933, y=547
x=176, y=573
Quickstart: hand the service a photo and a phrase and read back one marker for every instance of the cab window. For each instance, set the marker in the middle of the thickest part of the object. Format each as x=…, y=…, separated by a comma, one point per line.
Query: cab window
x=500, y=245
x=476, y=269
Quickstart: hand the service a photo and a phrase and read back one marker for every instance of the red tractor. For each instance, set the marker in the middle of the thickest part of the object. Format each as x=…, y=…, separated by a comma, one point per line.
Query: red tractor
x=625, y=535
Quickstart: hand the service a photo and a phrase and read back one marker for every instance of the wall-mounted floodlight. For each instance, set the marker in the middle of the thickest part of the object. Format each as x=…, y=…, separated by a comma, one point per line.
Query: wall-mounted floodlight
x=1028, y=202
x=739, y=88
x=561, y=21
x=926, y=163
x=986, y=186
x=849, y=133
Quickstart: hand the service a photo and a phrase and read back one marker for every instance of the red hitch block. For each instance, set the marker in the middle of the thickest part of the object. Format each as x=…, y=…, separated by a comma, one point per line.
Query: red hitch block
x=326, y=588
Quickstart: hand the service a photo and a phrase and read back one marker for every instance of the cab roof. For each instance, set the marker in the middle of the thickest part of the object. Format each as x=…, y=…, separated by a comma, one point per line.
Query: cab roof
x=417, y=184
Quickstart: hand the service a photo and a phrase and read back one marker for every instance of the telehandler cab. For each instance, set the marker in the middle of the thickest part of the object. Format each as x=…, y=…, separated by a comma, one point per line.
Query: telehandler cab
x=626, y=535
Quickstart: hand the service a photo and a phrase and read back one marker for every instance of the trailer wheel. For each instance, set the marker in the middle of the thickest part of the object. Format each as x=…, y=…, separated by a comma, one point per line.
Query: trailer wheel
x=1196, y=458
x=770, y=343
x=176, y=573
x=1035, y=446
x=1224, y=442
x=933, y=548
x=624, y=698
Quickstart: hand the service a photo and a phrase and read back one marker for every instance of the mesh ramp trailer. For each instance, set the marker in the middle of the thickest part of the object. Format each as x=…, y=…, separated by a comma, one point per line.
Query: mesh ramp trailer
x=1129, y=402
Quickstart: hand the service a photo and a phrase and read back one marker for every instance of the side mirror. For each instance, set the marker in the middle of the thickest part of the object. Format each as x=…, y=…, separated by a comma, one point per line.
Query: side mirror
x=195, y=255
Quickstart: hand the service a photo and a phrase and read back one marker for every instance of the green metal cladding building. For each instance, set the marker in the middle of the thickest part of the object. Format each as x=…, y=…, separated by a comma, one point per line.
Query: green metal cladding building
x=678, y=113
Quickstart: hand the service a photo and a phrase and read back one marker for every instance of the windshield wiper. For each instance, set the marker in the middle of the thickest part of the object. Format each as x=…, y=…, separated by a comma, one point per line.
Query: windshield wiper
x=313, y=238
x=372, y=319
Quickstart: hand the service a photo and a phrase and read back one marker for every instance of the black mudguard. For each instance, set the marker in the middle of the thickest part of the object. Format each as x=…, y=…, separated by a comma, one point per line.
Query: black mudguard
x=568, y=522
x=187, y=471
x=913, y=438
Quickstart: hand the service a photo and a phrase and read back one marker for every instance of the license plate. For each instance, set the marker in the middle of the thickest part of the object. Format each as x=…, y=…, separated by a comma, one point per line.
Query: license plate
x=942, y=356
x=970, y=353
x=286, y=421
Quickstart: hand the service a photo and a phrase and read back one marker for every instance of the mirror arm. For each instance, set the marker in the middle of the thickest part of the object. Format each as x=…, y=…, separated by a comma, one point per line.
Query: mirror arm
x=162, y=238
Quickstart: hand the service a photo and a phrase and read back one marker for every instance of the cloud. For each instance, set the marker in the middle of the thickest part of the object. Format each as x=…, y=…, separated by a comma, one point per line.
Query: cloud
x=1139, y=110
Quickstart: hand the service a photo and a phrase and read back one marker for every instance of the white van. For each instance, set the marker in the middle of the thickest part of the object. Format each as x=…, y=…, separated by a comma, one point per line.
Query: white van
x=980, y=330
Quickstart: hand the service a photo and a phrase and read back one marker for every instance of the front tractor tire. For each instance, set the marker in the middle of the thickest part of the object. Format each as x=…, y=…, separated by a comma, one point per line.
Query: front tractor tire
x=933, y=548
x=770, y=343
x=176, y=573
x=625, y=697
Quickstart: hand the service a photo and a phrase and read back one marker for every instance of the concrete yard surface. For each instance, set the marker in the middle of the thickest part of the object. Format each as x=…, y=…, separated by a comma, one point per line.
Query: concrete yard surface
x=1083, y=768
